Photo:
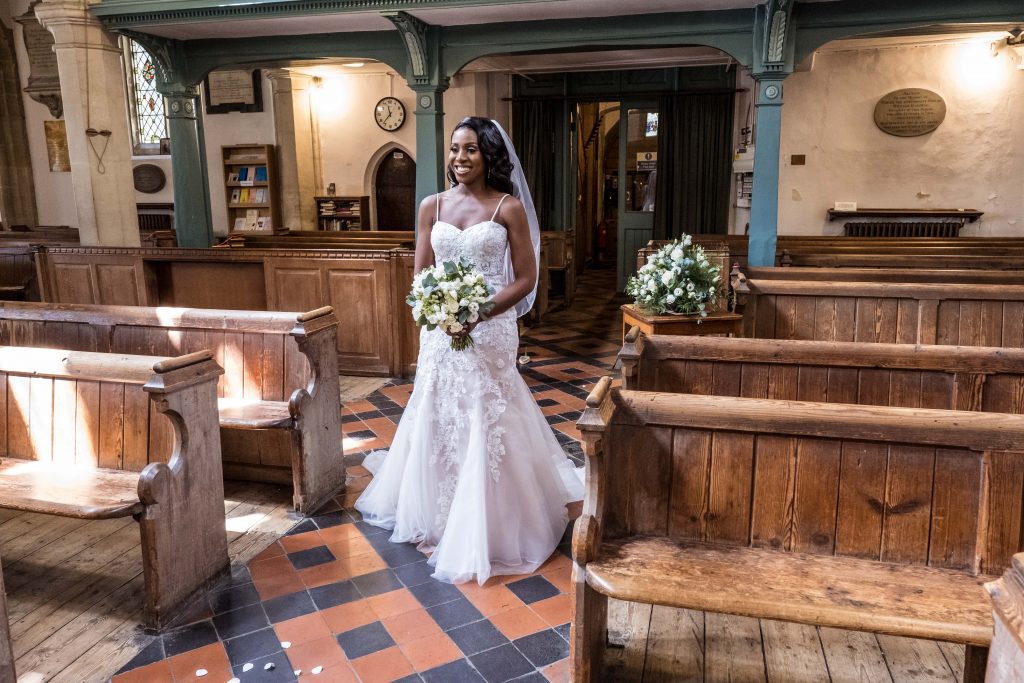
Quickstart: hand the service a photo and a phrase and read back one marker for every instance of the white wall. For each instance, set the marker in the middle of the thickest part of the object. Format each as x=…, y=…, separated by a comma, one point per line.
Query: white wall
x=233, y=128
x=55, y=197
x=973, y=160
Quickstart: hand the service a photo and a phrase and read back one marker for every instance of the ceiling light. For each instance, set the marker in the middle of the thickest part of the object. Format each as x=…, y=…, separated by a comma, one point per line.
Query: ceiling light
x=354, y=65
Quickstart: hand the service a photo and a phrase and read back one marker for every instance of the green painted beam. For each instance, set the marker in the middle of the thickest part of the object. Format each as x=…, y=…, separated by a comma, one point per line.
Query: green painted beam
x=727, y=30
x=819, y=23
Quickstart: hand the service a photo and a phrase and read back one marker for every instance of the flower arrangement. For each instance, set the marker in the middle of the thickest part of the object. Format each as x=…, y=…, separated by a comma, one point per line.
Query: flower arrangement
x=678, y=278
x=451, y=296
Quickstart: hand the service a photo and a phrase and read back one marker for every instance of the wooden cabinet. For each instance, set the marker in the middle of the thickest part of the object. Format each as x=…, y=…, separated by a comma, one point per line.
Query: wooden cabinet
x=342, y=213
x=250, y=188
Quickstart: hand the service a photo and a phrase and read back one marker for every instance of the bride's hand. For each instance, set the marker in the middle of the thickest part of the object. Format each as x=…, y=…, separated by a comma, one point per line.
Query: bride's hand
x=465, y=332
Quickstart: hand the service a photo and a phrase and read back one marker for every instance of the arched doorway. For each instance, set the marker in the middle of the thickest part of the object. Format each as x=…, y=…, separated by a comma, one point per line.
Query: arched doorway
x=395, y=194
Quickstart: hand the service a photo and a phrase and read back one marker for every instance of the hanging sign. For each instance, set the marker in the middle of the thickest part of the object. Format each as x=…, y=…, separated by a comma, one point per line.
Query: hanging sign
x=910, y=112
x=646, y=161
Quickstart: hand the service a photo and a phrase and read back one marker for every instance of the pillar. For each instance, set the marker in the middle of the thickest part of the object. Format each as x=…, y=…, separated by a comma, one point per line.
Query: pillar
x=293, y=128
x=764, y=205
x=430, y=143
x=93, y=92
x=188, y=167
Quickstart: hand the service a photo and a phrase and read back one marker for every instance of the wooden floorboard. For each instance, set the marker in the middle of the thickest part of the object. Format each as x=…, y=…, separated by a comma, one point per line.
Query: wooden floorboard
x=75, y=587
x=666, y=644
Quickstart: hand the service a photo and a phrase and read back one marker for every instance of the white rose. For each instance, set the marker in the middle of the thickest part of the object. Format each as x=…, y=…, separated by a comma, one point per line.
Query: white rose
x=455, y=327
x=474, y=307
x=678, y=291
x=677, y=254
x=666, y=278
x=670, y=299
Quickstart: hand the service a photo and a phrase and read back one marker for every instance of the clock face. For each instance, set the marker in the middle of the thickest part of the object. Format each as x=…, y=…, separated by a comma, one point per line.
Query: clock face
x=389, y=113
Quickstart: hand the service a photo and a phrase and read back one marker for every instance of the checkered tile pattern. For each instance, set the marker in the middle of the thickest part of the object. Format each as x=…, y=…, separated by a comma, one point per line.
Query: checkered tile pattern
x=334, y=600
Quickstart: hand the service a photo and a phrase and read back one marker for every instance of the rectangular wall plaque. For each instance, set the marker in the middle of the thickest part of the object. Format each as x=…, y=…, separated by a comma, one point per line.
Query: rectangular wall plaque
x=57, y=146
x=234, y=90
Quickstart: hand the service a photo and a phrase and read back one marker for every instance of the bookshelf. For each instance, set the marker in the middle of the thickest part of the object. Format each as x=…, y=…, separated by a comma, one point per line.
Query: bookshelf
x=250, y=188
x=342, y=213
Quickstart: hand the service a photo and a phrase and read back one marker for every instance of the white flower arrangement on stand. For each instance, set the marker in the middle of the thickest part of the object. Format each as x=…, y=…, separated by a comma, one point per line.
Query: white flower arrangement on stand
x=677, y=279
x=452, y=296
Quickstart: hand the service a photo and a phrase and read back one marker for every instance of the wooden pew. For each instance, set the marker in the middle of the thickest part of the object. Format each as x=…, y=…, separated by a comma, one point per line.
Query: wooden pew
x=1006, y=659
x=961, y=260
x=950, y=276
x=904, y=375
x=280, y=413
x=18, y=274
x=83, y=440
x=893, y=312
x=867, y=518
x=7, y=673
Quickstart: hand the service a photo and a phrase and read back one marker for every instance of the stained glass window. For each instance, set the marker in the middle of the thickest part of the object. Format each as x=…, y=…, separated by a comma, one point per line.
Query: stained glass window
x=150, y=123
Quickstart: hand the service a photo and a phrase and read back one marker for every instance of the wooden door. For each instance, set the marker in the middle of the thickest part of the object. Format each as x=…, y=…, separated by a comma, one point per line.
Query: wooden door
x=638, y=153
x=396, y=192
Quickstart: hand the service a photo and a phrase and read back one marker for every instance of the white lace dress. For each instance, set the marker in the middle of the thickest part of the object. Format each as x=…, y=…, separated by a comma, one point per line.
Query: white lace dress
x=474, y=473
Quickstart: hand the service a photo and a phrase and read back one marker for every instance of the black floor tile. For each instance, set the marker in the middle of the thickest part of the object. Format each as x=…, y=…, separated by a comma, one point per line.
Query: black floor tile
x=334, y=594
x=234, y=598
x=288, y=606
x=535, y=677
x=302, y=527
x=502, y=664
x=376, y=583
x=457, y=672
x=455, y=613
x=365, y=640
x=543, y=648
x=311, y=557
x=435, y=593
x=240, y=621
x=281, y=673
x=153, y=652
x=252, y=646
x=371, y=531
x=563, y=631
x=189, y=637
x=400, y=555
x=329, y=519
x=411, y=678
x=415, y=574
x=477, y=637
x=533, y=589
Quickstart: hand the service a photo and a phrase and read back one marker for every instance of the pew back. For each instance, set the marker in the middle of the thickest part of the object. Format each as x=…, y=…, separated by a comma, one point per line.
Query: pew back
x=901, y=313
x=900, y=485
x=905, y=375
x=261, y=360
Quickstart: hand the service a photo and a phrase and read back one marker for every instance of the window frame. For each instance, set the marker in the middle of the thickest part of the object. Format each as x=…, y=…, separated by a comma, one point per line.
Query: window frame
x=139, y=148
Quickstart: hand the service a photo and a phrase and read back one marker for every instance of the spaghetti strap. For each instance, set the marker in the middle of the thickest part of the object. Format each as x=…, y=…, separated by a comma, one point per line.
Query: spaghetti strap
x=437, y=207
x=498, y=208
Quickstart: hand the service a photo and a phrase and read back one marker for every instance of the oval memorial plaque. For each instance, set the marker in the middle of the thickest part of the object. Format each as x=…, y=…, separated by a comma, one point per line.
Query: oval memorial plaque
x=910, y=112
x=149, y=178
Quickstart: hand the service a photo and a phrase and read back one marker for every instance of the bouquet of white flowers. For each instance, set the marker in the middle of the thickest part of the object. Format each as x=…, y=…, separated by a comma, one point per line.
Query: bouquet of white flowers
x=678, y=278
x=451, y=296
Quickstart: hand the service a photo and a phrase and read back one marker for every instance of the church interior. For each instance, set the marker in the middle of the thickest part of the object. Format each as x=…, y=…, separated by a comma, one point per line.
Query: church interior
x=208, y=220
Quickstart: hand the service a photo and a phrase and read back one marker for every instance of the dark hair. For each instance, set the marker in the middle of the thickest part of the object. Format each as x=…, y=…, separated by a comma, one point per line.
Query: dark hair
x=498, y=166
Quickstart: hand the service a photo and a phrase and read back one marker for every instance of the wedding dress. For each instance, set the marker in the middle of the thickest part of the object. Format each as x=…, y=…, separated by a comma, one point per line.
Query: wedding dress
x=474, y=474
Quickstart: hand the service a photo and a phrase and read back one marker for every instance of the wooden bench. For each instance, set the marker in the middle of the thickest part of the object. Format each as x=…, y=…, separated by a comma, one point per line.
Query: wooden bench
x=905, y=375
x=893, y=312
x=866, y=518
x=7, y=673
x=280, y=413
x=99, y=436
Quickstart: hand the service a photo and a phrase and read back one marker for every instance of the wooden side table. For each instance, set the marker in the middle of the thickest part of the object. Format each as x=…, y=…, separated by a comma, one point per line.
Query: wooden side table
x=717, y=323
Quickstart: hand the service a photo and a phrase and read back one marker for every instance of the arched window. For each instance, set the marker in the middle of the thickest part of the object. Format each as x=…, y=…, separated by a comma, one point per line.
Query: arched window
x=149, y=123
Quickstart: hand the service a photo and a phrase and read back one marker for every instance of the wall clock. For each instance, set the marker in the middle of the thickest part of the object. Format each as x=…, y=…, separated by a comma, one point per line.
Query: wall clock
x=389, y=113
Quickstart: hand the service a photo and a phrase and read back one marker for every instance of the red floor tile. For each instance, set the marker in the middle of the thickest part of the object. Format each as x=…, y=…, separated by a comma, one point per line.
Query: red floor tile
x=393, y=603
x=518, y=622
x=302, y=629
x=426, y=653
x=411, y=625
x=212, y=658
x=348, y=616
x=323, y=652
x=554, y=611
x=382, y=667
x=151, y=673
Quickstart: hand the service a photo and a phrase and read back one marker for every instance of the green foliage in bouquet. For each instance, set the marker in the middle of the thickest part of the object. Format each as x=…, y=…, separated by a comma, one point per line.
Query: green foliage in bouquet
x=678, y=278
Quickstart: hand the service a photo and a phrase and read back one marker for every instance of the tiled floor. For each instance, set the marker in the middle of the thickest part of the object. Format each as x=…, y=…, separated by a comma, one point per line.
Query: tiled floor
x=335, y=601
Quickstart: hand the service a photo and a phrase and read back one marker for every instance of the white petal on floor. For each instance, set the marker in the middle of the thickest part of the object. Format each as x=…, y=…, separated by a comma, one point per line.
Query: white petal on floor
x=247, y=666
x=201, y=672
x=317, y=670
x=269, y=666
x=285, y=644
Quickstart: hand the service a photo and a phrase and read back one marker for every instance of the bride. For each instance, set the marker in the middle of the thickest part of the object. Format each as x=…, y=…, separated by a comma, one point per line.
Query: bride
x=474, y=474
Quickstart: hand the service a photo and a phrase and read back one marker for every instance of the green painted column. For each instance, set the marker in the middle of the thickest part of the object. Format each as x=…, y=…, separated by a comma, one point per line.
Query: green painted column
x=188, y=170
x=430, y=143
x=764, y=205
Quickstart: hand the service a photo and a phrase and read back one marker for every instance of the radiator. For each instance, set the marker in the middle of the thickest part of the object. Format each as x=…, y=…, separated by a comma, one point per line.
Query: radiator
x=903, y=229
x=155, y=221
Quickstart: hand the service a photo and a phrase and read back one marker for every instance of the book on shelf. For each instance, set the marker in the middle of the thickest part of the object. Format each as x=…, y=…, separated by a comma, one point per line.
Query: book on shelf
x=265, y=223
x=243, y=173
x=239, y=224
x=261, y=195
x=252, y=217
x=236, y=196
x=232, y=177
x=244, y=199
x=261, y=174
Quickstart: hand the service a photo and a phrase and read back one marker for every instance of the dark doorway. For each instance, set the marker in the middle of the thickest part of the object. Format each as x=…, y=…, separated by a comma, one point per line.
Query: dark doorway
x=396, y=192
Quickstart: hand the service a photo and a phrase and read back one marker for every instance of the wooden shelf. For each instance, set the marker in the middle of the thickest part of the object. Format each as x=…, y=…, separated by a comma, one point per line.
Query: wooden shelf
x=970, y=215
x=348, y=213
x=260, y=161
